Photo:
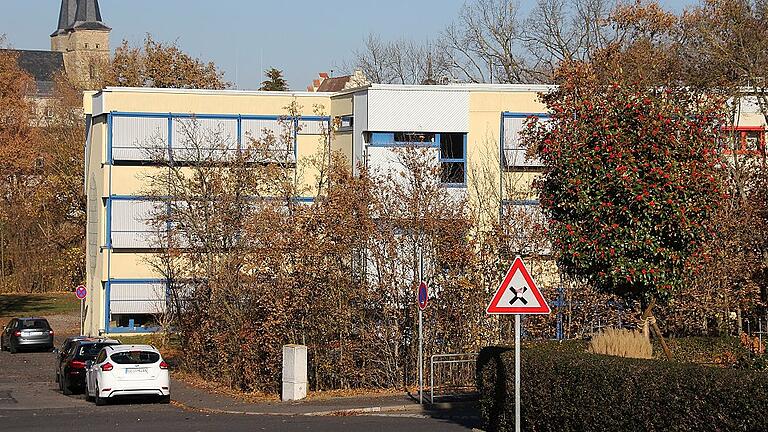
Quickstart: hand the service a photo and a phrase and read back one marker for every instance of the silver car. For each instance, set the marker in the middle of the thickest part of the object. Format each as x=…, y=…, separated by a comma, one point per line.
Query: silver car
x=27, y=333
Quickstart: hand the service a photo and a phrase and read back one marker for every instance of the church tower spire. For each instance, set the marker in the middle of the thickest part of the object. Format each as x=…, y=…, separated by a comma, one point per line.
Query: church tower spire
x=82, y=37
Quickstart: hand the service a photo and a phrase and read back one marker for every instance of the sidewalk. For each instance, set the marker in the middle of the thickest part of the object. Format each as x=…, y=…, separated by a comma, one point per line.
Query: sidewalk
x=193, y=398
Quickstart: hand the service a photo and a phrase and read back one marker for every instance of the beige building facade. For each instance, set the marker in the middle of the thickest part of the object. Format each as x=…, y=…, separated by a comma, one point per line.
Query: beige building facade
x=458, y=125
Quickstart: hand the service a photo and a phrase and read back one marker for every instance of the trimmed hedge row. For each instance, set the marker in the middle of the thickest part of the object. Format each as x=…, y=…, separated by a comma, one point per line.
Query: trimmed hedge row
x=568, y=391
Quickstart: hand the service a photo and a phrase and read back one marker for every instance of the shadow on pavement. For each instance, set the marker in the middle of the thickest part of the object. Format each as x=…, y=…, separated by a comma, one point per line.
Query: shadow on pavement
x=463, y=410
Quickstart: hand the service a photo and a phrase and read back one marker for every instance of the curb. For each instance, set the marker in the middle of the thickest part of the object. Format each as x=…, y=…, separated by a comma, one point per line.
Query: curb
x=373, y=409
x=337, y=412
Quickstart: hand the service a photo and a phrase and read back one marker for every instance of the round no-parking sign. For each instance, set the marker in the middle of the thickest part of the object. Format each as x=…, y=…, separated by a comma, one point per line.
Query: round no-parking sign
x=81, y=292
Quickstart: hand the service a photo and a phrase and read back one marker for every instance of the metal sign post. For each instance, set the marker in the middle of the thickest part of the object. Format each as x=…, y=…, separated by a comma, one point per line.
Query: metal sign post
x=518, y=295
x=517, y=372
x=81, y=292
x=421, y=299
x=421, y=359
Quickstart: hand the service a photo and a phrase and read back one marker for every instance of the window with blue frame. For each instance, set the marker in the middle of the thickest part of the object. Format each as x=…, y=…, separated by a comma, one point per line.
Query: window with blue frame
x=453, y=158
x=452, y=146
x=151, y=138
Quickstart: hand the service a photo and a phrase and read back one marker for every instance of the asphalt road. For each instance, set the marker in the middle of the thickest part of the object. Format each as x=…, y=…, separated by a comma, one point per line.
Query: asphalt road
x=30, y=401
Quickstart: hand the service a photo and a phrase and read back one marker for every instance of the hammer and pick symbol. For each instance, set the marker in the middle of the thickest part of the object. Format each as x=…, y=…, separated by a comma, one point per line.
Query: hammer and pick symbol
x=519, y=295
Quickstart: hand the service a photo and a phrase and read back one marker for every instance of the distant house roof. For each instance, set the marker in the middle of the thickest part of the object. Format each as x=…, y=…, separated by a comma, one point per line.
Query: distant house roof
x=42, y=66
x=333, y=84
x=79, y=14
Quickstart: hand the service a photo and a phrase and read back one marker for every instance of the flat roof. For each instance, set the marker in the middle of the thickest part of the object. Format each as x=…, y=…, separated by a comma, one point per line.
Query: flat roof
x=537, y=88
x=210, y=92
x=457, y=87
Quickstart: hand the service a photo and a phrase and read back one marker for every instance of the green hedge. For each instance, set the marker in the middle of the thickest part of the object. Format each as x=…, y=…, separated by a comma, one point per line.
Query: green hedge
x=568, y=391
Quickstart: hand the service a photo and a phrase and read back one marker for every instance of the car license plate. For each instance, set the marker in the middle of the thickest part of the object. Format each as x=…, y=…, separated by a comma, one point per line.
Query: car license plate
x=136, y=371
x=35, y=333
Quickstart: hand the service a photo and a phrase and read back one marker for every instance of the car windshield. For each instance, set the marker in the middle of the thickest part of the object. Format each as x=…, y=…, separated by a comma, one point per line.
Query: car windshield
x=135, y=357
x=88, y=351
x=34, y=324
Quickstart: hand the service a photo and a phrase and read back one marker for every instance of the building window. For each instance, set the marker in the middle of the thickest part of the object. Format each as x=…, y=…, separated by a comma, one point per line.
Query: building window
x=744, y=140
x=453, y=158
x=347, y=122
x=402, y=138
x=515, y=153
x=86, y=46
x=98, y=46
x=752, y=140
x=414, y=137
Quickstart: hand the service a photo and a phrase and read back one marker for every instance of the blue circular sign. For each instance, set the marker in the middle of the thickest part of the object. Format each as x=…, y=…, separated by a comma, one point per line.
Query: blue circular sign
x=423, y=295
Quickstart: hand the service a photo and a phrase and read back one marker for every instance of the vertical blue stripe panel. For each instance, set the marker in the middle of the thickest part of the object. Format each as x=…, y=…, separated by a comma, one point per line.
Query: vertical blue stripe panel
x=109, y=138
x=106, y=305
x=108, y=230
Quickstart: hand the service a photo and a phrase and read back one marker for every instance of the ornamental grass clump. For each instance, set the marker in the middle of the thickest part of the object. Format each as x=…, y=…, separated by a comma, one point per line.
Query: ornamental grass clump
x=621, y=343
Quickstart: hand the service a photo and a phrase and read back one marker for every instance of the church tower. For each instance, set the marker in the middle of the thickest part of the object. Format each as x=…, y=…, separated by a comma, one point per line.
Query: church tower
x=82, y=38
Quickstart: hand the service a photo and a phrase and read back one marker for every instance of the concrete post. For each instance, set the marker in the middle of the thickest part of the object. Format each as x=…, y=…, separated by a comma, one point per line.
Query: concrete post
x=294, y=372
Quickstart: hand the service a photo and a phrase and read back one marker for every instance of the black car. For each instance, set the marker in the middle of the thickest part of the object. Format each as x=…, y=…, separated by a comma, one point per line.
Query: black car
x=23, y=333
x=70, y=370
x=65, y=347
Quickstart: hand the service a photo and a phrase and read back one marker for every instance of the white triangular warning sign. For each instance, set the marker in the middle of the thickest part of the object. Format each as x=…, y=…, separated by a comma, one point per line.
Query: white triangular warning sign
x=518, y=293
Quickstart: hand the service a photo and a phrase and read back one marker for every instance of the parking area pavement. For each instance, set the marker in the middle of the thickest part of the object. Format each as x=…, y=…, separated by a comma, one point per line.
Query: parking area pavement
x=30, y=400
x=28, y=381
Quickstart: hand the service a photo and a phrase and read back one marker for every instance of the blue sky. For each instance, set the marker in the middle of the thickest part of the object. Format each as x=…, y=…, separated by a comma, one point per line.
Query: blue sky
x=243, y=37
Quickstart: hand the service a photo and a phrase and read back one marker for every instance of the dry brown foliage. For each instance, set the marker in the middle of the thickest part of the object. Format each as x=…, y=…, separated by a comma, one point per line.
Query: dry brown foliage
x=622, y=343
x=159, y=64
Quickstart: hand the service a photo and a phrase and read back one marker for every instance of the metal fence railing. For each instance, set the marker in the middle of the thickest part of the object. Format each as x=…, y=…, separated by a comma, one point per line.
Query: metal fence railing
x=452, y=375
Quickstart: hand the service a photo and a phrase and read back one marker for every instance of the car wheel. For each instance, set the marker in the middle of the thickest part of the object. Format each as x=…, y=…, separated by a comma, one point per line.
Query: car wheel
x=100, y=401
x=165, y=399
x=65, y=388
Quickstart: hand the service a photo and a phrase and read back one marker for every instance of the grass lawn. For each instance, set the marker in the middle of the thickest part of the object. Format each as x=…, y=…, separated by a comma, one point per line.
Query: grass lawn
x=43, y=304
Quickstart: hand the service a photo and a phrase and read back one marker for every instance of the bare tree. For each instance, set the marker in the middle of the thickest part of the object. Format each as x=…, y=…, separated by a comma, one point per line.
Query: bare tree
x=560, y=30
x=484, y=44
x=401, y=62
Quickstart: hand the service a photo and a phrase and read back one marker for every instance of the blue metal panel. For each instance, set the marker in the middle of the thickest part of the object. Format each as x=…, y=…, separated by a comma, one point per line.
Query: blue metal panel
x=239, y=132
x=138, y=198
x=109, y=138
x=214, y=116
x=501, y=166
x=139, y=114
x=146, y=280
x=116, y=330
x=170, y=137
x=108, y=230
x=106, y=304
x=523, y=114
x=462, y=160
x=465, y=159
x=260, y=117
x=382, y=138
x=400, y=144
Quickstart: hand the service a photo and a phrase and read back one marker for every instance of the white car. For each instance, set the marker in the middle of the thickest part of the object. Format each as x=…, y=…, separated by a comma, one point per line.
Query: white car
x=122, y=370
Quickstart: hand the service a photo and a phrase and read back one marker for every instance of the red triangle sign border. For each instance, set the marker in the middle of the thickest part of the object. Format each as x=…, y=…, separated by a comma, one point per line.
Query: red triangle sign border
x=495, y=309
